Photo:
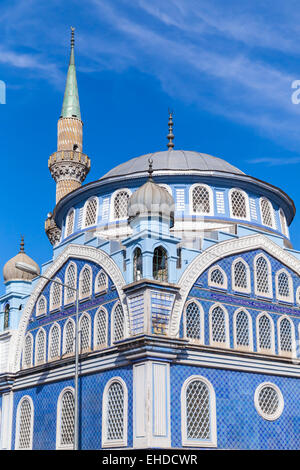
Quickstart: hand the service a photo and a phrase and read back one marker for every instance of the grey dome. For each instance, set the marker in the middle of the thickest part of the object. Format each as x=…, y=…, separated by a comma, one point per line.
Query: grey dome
x=173, y=160
x=11, y=273
x=151, y=199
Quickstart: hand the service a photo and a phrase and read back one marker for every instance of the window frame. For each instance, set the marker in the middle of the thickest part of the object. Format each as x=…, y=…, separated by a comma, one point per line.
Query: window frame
x=166, y=261
x=282, y=352
x=66, y=301
x=240, y=347
x=281, y=401
x=38, y=313
x=210, y=283
x=102, y=291
x=112, y=329
x=247, y=206
x=18, y=415
x=67, y=234
x=270, y=278
x=64, y=353
x=53, y=285
x=96, y=346
x=24, y=366
x=112, y=217
x=117, y=442
x=50, y=342
x=290, y=298
x=236, y=288
x=210, y=200
x=89, y=295
x=201, y=313
x=60, y=446
x=85, y=315
x=258, y=348
x=85, y=208
x=217, y=344
x=36, y=362
x=283, y=223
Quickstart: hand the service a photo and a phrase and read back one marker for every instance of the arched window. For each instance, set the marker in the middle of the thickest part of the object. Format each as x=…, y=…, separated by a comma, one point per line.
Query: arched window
x=68, y=340
x=265, y=334
x=24, y=424
x=160, y=264
x=90, y=212
x=85, y=282
x=101, y=282
x=85, y=333
x=194, y=327
x=70, y=222
x=54, y=342
x=118, y=327
x=100, y=329
x=120, y=204
x=28, y=351
x=114, y=413
x=284, y=286
x=240, y=276
x=55, y=294
x=40, y=347
x=284, y=227
x=219, y=335
x=286, y=336
x=202, y=203
x=217, y=277
x=239, y=204
x=6, y=317
x=267, y=212
x=41, y=307
x=70, y=280
x=65, y=420
x=198, y=413
x=243, y=337
x=137, y=264
x=262, y=276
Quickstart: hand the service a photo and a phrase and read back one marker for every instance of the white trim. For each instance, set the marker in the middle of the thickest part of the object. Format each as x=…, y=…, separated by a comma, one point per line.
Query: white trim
x=50, y=342
x=212, y=412
x=24, y=365
x=236, y=288
x=250, y=327
x=66, y=301
x=53, y=286
x=60, y=446
x=36, y=362
x=210, y=198
x=263, y=350
x=104, y=289
x=246, y=204
x=112, y=326
x=293, y=338
x=85, y=314
x=37, y=310
x=97, y=346
x=67, y=223
x=213, y=284
x=201, y=314
x=89, y=294
x=17, y=438
x=117, y=442
x=218, y=344
x=270, y=279
x=290, y=298
x=280, y=406
x=112, y=217
x=64, y=353
x=272, y=214
x=85, y=211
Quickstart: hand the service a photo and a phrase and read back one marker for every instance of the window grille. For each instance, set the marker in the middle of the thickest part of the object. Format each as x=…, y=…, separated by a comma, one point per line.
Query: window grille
x=283, y=223
x=121, y=205
x=101, y=282
x=85, y=282
x=268, y=401
x=101, y=329
x=285, y=334
x=115, y=412
x=41, y=306
x=264, y=333
x=25, y=425
x=262, y=276
x=69, y=338
x=137, y=264
x=54, y=342
x=198, y=411
x=201, y=201
x=119, y=320
x=283, y=285
x=84, y=333
x=217, y=277
x=218, y=325
x=70, y=281
x=55, y=294
x=40, y=347
x=70, y=223
x=193, y=321
x=238, y=204
x=242, y=329
x=266, y=212
x=91, y=212
x=67, y=419
x=160, y=264
x=28, y=351
x=240, y=276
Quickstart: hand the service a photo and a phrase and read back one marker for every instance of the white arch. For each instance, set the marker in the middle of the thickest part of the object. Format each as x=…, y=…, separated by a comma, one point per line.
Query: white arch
x=293, y=338
x=85, y=208
x=17, y=438
x=272, y=333
x=112, y=203
x=250, y=329
x=225, y=344
x=112, y=324
x=201, y=314
x=210, y=199
x=85, y=315
x=69, y=229
x=97, y=346
x=40, y=311
x=50, y=339
x=263, y=215
x=235, y=287
x=58, y=419
x=214, y=284
x=43, y=332
x=67, y=301
x=24, y=365
x=245, y=195
x=290, y=297
x=117, y=442
x=87, y=253
x=82, y=295
x=269, y=274
x=64, y=345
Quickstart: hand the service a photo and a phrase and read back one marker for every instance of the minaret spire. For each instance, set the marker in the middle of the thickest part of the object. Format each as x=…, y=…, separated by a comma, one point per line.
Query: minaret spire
x=71, y=107
x=170, y=136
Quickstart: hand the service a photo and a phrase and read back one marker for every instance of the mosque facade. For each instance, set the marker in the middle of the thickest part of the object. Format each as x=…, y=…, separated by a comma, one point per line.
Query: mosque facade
x=168, y=316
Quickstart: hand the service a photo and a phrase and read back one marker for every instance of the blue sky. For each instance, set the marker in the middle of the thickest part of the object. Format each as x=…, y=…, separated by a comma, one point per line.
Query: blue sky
x=225, y=68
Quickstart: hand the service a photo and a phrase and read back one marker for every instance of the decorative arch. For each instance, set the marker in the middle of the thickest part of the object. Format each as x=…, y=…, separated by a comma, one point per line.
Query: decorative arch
x=242, y=330
x=28, y=351
x=85, y=327
x=40, y=347
x=85, y=282
x=90, y=212
x=54, y=342
x=219, y=326
x=41, y=306
x=101, y=328
x=217, y=277
x=119, y=202
x=193, y=323
x=284, y=286
x=263, y=282
x=267, y=212
x=68, y=337
x=240, y=276
x=286, y=336
x=201, y=199
x=24, y=424
x=70, y=280
x=265, y=337
x=239, y=204
x=70, y=219
x=65, y=419
x=114, y=421
x=101, y=282
x=86, y=253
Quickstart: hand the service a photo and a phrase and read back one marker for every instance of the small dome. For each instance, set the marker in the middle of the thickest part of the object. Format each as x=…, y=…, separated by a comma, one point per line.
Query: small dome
x=151, y=199
x=11, y=273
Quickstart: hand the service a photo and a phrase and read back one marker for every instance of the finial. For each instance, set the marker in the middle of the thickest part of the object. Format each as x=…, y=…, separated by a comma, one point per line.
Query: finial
x=72, y=37
x=150, y=169
x=170, y=136
x=22, y=245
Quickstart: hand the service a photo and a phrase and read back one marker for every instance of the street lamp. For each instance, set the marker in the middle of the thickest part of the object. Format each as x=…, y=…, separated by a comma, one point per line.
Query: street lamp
x=27, y=268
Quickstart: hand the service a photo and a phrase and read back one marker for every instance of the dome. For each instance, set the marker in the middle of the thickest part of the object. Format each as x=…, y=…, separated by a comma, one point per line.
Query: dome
x=173, y=160
x=11, y=273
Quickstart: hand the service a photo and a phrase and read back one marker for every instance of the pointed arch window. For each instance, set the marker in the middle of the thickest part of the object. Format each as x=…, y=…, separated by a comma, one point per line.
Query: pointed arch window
x=54, y=343
x=265, y=334
x=69, y=334
x=41, y=307
x=70, y=280
x=198, y=415
x=286, y=336
x=100, y=329
x=24, y=424
x=194, y=324
x=90, y=212
x=65, y=420
x=160, y=264
x=101, y=282
x=243, y=337
x=70, y=222
x=217, y=277
x=114, y=413
x=85, y=282
x=6, y=317
x=239, y=204
x=120, y=204
x=137, y=265
x=118, y=329
x=283, y=223
x=241, y=276
x=55, y=294
x=219, y=335
x=263, y=277
x=267, y=212
x=28, y=351
x=40, y=347
x=284, y=286
x=85, y=333
x=202, y=200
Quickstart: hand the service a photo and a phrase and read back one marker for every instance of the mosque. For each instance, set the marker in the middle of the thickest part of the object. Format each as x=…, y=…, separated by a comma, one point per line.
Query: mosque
x=168, y=316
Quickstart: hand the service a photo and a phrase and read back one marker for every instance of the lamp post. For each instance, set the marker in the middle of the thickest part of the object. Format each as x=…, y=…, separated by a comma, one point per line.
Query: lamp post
x=31, y=270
